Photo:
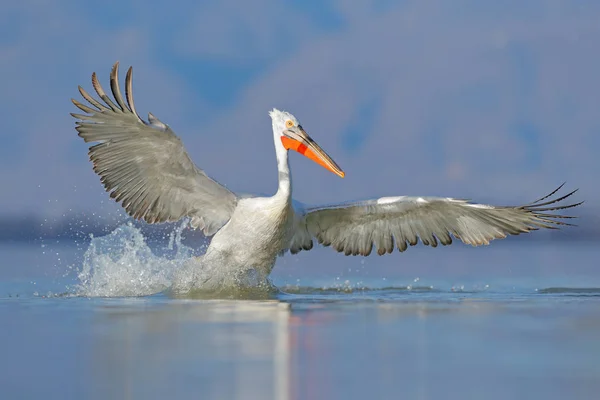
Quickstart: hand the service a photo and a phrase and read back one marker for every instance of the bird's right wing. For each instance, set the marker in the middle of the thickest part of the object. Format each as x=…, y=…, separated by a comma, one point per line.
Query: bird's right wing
x=144, y=165
x=354, y=228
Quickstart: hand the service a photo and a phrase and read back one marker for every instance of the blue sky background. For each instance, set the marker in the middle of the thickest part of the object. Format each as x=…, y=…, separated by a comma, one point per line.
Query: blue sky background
x=494, y=101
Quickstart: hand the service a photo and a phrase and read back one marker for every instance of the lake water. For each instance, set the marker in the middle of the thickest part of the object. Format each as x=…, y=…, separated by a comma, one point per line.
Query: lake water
x=516, y=319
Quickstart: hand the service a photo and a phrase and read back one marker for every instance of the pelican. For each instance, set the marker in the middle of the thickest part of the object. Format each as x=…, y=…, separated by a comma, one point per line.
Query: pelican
x=146, y=168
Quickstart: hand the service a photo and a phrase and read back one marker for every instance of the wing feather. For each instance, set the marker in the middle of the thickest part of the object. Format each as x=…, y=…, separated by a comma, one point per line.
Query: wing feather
x=355, y=228
x=144, y=165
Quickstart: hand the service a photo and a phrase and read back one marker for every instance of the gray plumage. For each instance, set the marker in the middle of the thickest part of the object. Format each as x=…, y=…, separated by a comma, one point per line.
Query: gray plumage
x=144, y=165
x=397, y=222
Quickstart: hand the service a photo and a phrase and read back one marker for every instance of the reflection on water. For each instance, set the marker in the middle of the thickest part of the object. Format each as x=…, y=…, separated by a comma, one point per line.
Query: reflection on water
x=224, y=349
x=503, y=322
x=453, y=345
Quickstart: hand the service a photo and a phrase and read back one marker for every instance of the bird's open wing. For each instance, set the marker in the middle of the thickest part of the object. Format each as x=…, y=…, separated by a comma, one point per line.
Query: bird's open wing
x=354, y=228
x=144, y=165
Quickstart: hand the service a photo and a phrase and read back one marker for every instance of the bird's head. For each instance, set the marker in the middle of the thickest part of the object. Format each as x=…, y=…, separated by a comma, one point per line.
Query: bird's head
x=294, y=137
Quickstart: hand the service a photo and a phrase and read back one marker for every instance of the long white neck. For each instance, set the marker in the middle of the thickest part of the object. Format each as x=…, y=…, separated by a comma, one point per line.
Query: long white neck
x=283, y=167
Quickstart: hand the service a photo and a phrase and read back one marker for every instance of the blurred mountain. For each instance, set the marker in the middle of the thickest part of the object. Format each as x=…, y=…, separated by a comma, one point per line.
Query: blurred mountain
x=81, y=227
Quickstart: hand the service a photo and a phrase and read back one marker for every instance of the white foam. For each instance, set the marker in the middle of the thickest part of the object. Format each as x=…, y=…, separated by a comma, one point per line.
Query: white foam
x=122, y=264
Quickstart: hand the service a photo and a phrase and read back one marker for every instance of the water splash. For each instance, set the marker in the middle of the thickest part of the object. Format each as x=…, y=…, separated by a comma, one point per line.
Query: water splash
x=122, y=264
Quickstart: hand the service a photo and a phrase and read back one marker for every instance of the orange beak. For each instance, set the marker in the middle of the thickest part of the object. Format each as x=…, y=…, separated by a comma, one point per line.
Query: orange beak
x=298, y=140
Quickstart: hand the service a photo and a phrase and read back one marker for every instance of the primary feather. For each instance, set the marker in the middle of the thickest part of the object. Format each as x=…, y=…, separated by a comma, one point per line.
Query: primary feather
x=144, y=165
x=389, y=222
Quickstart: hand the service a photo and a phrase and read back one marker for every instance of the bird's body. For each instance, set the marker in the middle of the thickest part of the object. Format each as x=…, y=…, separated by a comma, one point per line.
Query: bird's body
x=145, y=167
x=258, y=230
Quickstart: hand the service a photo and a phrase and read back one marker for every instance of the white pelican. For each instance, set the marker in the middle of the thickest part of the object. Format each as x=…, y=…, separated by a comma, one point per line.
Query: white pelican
x=145, y=167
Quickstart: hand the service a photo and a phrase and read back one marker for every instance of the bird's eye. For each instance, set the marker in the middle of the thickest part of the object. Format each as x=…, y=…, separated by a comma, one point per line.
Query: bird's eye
x=289, y=123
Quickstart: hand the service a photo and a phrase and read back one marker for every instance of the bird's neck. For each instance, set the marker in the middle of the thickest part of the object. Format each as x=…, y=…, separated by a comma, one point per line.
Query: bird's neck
x=283, y=168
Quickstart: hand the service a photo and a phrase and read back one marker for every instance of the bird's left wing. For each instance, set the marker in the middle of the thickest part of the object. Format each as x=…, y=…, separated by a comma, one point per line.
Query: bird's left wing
x=145, y=166
x=354, y=228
